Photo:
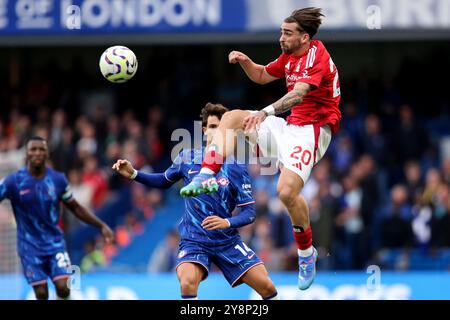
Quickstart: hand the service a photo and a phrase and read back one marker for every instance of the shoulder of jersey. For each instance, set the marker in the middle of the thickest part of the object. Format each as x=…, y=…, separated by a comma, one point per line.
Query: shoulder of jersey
x=51, y=171
x=187, y=156
x=19, y=173
x=320, y=46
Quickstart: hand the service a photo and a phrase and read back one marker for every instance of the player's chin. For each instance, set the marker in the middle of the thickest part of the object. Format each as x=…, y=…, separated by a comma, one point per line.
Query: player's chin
x=37, y=162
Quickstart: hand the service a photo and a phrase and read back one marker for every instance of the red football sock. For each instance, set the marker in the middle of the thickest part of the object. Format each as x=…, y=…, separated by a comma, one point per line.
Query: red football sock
x=213, y=161
x=303, y=238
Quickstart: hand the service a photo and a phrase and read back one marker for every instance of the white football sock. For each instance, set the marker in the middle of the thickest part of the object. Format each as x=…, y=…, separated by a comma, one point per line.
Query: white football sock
x=305, y=253
x=207, y=171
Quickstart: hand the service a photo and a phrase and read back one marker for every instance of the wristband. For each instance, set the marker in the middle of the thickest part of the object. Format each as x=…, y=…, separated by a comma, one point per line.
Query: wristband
x=269, y=110
x=133, y=176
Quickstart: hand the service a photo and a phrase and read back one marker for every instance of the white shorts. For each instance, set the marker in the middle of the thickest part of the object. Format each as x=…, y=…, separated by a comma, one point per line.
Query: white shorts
x=298, y=148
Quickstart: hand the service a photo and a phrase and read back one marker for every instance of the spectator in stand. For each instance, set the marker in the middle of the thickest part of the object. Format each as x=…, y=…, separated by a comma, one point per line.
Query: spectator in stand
x=413, y=179
x=63, y=153
x=395, y=228
x=94, y=177
x=410, y=139
x=164, y=258
x=374, y=142
x=94, y=257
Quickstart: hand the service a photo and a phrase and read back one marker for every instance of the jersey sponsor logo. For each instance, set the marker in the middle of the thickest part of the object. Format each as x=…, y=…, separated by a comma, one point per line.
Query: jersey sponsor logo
x=25, y=191
x=292, y=79
x=222, y=181
x=247, y=187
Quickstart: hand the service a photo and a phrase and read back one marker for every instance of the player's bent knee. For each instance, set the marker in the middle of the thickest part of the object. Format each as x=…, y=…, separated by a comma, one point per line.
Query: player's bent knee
x=62, y=289
x=287, y=195
x=268, y=289
x=41, y=292
x=189, y=283
x=189, y=286
x=63, y=293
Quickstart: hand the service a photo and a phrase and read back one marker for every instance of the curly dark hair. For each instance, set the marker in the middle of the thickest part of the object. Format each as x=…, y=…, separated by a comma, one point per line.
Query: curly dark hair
x=212, y=109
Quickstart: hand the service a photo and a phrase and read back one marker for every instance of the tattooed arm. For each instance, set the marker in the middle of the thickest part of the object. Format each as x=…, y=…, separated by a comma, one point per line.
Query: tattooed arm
x=286, y=103
x=293, y=98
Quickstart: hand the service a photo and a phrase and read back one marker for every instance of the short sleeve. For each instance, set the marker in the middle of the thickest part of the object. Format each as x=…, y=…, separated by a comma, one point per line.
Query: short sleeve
x=276, y=67
x=66, y=194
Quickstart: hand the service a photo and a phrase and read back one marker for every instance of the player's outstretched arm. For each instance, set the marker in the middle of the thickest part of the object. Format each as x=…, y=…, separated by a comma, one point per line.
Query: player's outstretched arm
x=256, y=72
x=153, y=180
x=84, y=215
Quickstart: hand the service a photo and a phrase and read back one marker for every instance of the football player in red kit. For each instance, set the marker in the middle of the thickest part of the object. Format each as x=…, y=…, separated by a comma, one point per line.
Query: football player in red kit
x=298, y=142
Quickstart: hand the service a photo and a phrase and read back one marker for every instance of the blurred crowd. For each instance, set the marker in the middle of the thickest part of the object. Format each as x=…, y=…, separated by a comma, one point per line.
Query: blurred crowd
x=383, y=184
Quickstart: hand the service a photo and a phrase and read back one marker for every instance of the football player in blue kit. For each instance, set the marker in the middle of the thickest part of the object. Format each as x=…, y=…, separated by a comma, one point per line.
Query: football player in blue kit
x=35, y=193
x=208, y=230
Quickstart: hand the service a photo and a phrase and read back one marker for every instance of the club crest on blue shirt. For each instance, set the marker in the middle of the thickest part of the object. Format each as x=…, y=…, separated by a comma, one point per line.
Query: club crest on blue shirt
x=223, y=181
x=181, y=254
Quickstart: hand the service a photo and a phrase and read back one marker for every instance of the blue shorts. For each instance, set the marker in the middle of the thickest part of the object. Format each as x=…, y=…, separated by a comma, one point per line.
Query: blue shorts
x=38, y=268
x=234, y=259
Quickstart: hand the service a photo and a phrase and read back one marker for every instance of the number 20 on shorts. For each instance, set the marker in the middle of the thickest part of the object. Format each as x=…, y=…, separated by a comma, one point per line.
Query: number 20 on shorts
x=303, y=155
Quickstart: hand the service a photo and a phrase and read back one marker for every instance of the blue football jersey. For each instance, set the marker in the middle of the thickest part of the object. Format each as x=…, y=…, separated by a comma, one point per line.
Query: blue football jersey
x=234, y=190
x=36, y=206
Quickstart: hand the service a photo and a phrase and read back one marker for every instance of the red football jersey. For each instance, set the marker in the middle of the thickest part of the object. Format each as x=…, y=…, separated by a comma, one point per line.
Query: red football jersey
x=321, y=105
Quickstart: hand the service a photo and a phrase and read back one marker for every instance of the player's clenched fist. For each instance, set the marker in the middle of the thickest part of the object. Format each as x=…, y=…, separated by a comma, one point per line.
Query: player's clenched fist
x=236, y=56
x=123, y=167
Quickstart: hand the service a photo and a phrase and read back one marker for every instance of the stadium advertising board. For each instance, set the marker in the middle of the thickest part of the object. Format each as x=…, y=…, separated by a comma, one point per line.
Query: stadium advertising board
x=328, y=286
x=52, y=17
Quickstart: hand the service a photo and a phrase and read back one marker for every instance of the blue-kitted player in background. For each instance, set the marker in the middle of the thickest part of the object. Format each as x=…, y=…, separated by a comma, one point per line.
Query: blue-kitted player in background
x=36, y=192
x=208, y=229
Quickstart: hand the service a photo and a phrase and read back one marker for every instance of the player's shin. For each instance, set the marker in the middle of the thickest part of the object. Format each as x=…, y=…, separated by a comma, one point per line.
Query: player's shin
x=217, y=150
x=223, y=143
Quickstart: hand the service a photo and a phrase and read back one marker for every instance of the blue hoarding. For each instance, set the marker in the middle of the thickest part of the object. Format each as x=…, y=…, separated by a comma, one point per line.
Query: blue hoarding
x=328, y=286
x=75, y=17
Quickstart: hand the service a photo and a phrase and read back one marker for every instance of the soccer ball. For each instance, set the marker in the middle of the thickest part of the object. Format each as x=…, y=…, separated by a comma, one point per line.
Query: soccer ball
x=118, y=64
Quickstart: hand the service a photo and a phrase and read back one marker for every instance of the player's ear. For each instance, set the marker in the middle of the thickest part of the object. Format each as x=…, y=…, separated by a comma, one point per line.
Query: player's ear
x=305, y=37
